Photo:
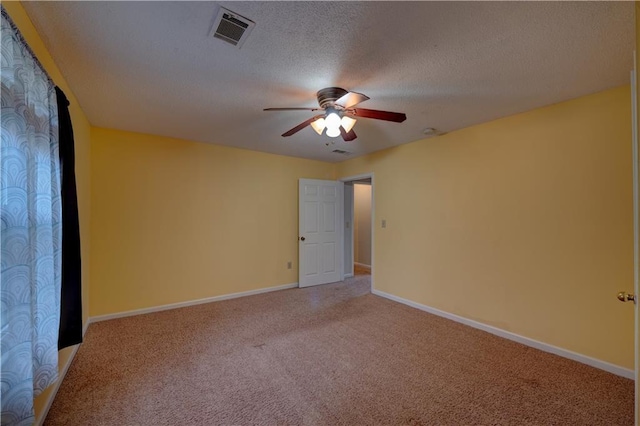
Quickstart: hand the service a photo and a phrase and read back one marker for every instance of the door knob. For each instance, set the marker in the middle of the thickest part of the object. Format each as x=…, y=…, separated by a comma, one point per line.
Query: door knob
x=626, y=297
x=302, y=238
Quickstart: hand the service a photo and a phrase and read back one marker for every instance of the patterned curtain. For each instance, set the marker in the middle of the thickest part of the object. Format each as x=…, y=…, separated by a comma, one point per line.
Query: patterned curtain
x=30, y=229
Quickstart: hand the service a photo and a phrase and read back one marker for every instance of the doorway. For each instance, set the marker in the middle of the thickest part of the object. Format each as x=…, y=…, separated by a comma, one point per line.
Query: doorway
x=358, y=226
x=362, y=227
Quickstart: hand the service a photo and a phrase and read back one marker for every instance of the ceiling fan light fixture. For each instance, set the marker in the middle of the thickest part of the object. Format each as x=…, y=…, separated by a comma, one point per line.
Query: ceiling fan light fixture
x=318, y=125
x=339, y=115
x=332, y=121
x=347, y=123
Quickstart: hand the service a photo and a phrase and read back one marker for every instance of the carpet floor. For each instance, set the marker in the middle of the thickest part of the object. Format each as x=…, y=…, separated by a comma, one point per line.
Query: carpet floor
x=327, y=355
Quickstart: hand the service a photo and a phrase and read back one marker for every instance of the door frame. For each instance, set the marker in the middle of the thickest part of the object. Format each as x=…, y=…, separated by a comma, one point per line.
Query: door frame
x=349, y=232
x=369, y=175
x=636, y=229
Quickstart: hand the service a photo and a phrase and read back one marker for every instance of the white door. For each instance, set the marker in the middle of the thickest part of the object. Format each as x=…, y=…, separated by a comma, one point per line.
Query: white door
x=320, y=238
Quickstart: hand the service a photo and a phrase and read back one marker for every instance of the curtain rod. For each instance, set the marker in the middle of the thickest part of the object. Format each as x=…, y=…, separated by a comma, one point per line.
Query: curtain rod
x=25, y=44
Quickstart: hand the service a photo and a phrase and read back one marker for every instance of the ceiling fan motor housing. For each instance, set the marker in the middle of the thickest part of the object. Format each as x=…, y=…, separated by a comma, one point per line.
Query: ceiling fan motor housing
x=327, y=96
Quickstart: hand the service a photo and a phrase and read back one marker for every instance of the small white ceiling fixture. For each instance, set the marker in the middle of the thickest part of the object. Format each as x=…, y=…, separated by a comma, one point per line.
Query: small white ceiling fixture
x=231, y=27
x=431, y=132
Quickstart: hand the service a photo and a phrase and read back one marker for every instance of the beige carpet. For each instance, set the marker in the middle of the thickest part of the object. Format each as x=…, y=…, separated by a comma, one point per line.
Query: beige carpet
x=327, y=355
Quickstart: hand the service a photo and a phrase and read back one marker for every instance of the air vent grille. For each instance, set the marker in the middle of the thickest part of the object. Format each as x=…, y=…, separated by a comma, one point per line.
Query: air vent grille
x=342, y=152
x=231, y=27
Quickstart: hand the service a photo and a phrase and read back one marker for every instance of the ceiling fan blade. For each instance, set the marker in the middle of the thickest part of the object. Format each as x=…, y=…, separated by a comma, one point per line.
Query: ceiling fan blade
x=347, y=136
x=351, y=99
x=292, y=109
x=301, y=126
x=396, y=117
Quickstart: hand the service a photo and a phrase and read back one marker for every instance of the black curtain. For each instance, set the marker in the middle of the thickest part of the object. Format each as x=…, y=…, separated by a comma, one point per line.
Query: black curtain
x=70, y=332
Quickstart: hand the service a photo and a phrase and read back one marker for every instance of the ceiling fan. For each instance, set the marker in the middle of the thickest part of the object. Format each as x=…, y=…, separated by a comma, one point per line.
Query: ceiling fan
x=340, y=114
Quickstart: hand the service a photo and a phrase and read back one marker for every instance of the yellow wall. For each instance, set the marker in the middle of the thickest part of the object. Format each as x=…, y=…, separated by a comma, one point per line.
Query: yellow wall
x=82, y=136
x=524, y=223
x=175, y=221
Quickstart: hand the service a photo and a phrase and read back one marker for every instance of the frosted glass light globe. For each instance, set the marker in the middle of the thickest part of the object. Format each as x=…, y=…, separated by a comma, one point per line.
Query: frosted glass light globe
x=333, y=132
x=332, y=120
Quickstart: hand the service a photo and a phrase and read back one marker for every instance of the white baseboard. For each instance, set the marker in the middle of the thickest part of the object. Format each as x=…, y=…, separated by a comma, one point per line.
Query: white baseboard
x=363, y=266
x=190, y=303
x=348, y=275
x=602, y=365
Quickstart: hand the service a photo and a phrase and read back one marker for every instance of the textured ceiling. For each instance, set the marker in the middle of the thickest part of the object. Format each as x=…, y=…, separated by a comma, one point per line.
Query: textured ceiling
x=151, y=67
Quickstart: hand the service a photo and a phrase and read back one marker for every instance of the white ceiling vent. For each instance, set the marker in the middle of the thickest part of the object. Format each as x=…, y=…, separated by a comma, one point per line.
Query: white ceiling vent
x=231, y=27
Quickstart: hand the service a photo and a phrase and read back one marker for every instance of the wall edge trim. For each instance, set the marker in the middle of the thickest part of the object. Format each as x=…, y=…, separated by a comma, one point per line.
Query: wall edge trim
x=545, y=347
x=178, y=305
x=61, y=375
